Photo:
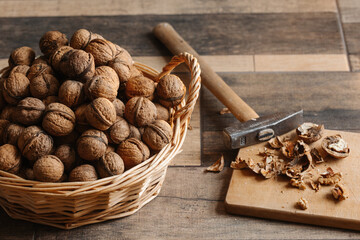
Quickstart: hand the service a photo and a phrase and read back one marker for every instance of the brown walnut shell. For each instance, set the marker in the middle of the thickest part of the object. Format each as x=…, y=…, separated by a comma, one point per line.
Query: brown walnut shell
x=140, y=111
x=3, y=124
x=101, y=86
x=81, y=123
x=170, y=90
x=162, y=112
x=71, y=93
x=21, y=56
x=157, y=135
x=44, y=85
x=102, y=50
x=310, y=132
x=335, y=146
x=92, y=144
x=29, y=111
x=123, y=55
x=39, y=69
x=83, y=173
x=110, y=164
x=34, y=143
x=59, y=120
x=40, y=59
x=69, y=139
x=134, y=132
x=15, y=88
x=109, y=73
x=8, y=112
x=67, y=155
x=82, y=37
x=57, y=59
x=50, y=99
x=78, y=64
x=123, y=70
x=12, y=133
x=119, y=107
x=133, y=152
x=140, y=87
x=51, y=41
x=23, y=69
x=48, y=168
x=101, y=113
x=119, y=131
x=10, y=158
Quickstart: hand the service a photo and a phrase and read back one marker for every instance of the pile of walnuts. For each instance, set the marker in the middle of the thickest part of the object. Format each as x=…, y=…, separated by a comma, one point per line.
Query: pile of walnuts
x=81, y=111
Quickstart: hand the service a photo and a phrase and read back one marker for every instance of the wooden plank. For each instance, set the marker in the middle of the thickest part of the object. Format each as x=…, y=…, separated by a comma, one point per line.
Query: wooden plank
x=354, y=62
x=24, y=8
x=299, y=63
x=221, y=34
x=12, y=229
x=349, y=10
x=352, y=36
x=191, y=206
x=328, y=98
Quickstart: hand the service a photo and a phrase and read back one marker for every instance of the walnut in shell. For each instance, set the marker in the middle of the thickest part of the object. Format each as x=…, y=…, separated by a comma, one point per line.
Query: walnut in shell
x=133, y=152
x=335, y=146
x=67, y=156
x=71, y=93
x=140, y=87
x=81, y=122
x=10, y=158
x=77, y=64
x=101, y=86
x=59, y=120
x=162, y=112
x=48, y=168
x=101, y=113
x=44, y=85
x=11, y=133
x=92, y=144
x=23, y=69
x=102, y=50
x=60, y=56
x=140, y=111
x=157, y=135
x=109, y=73
x=39, y=69
x=51, y=41
x=119, y=131
x=310, y=132
x=83, y=173
x=170, y=90
x=82, y=37
x=15, y=88
x=21, y=56
x=110, y=164
x=29, y=111
x=119, y=107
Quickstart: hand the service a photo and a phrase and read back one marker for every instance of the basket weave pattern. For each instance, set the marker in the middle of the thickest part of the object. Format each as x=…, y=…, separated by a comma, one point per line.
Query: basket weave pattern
x=72, y=204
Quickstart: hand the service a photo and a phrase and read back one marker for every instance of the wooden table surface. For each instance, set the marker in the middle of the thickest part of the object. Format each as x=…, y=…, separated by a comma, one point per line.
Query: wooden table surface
x=277, y=55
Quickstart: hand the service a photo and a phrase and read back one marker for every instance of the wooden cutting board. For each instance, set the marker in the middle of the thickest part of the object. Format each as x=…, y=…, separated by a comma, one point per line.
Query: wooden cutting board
x=253, y=195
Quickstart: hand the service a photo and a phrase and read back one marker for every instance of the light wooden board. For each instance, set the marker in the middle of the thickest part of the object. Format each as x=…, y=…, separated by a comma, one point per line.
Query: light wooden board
x=349, y=10
x=11, y=8
x=250, y=194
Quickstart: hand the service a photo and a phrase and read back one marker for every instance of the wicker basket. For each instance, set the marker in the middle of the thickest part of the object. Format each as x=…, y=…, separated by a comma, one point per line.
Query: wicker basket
x=72, y=204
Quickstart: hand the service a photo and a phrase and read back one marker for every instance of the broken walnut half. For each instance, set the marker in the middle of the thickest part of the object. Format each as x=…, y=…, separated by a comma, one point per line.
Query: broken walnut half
x=218, y=166
x=310, y=132
x=339, y=192
x=335, y=146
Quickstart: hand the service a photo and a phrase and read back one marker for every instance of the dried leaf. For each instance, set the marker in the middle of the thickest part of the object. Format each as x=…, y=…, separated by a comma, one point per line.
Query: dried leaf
x=218, y=166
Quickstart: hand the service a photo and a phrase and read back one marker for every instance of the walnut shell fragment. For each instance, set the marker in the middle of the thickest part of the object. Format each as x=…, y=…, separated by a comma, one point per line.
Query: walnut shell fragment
x=288, y=149
x=275, y=142
x=316, y=156
x=302, y=203
x=335, y=146
x=339, y=192
x=329, y=177
x=310, y=132
x=218, y=166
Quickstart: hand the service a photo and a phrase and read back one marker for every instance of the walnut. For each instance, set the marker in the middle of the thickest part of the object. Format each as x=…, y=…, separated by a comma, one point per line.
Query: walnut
x=69, y=139
x=110, y=148
x=44, y=85
x=51, y=41
x=21, y=56
x=109, y=73
x=50, y=99
x=102, y=50
x=34, y=143
x=40, y=59
x=134, y=132
x=15, y=88
x=110, y=164
x=218, y=166
x=335, y=146
x=10, y=158
x=39, y=69
x=329, y=177
x=67, y=156
x=123, y=55
x=92, y=144
x=315, y=185
x=119, y=107
x=288, y=149
x=8, y=112
x=157, y=135
x=339, y=192
x=29, y=174
x=162, y=112
x=140, y=87
x=77, y=64
x=29, y=111
x=119, y=131
x=123, y=70
x=316, y=156
x=71, y=93
x=140, y=111
x=101, y=113
x=23, y=69
x=133, y=152
x=81, y=122
x=48, y=168
x=83, y=173
x=310, y=132
x=101, y=86
x=224, y=111
x=60, y=56
x=59, y=120
x=170, y=90
x=82, y=37
x=298, y=183
x=275, y=142
x=11, y=133
x=3, y=125
x=302, y=203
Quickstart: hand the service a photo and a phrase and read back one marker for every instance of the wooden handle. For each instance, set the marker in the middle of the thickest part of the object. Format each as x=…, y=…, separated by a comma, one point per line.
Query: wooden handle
x=176, y=44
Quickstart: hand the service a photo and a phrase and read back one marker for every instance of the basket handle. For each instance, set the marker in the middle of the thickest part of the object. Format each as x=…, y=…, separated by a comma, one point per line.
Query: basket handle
x=184, y=111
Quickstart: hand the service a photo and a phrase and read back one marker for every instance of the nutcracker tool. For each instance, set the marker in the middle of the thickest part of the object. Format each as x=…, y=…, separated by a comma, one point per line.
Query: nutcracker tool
x=254, y=129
